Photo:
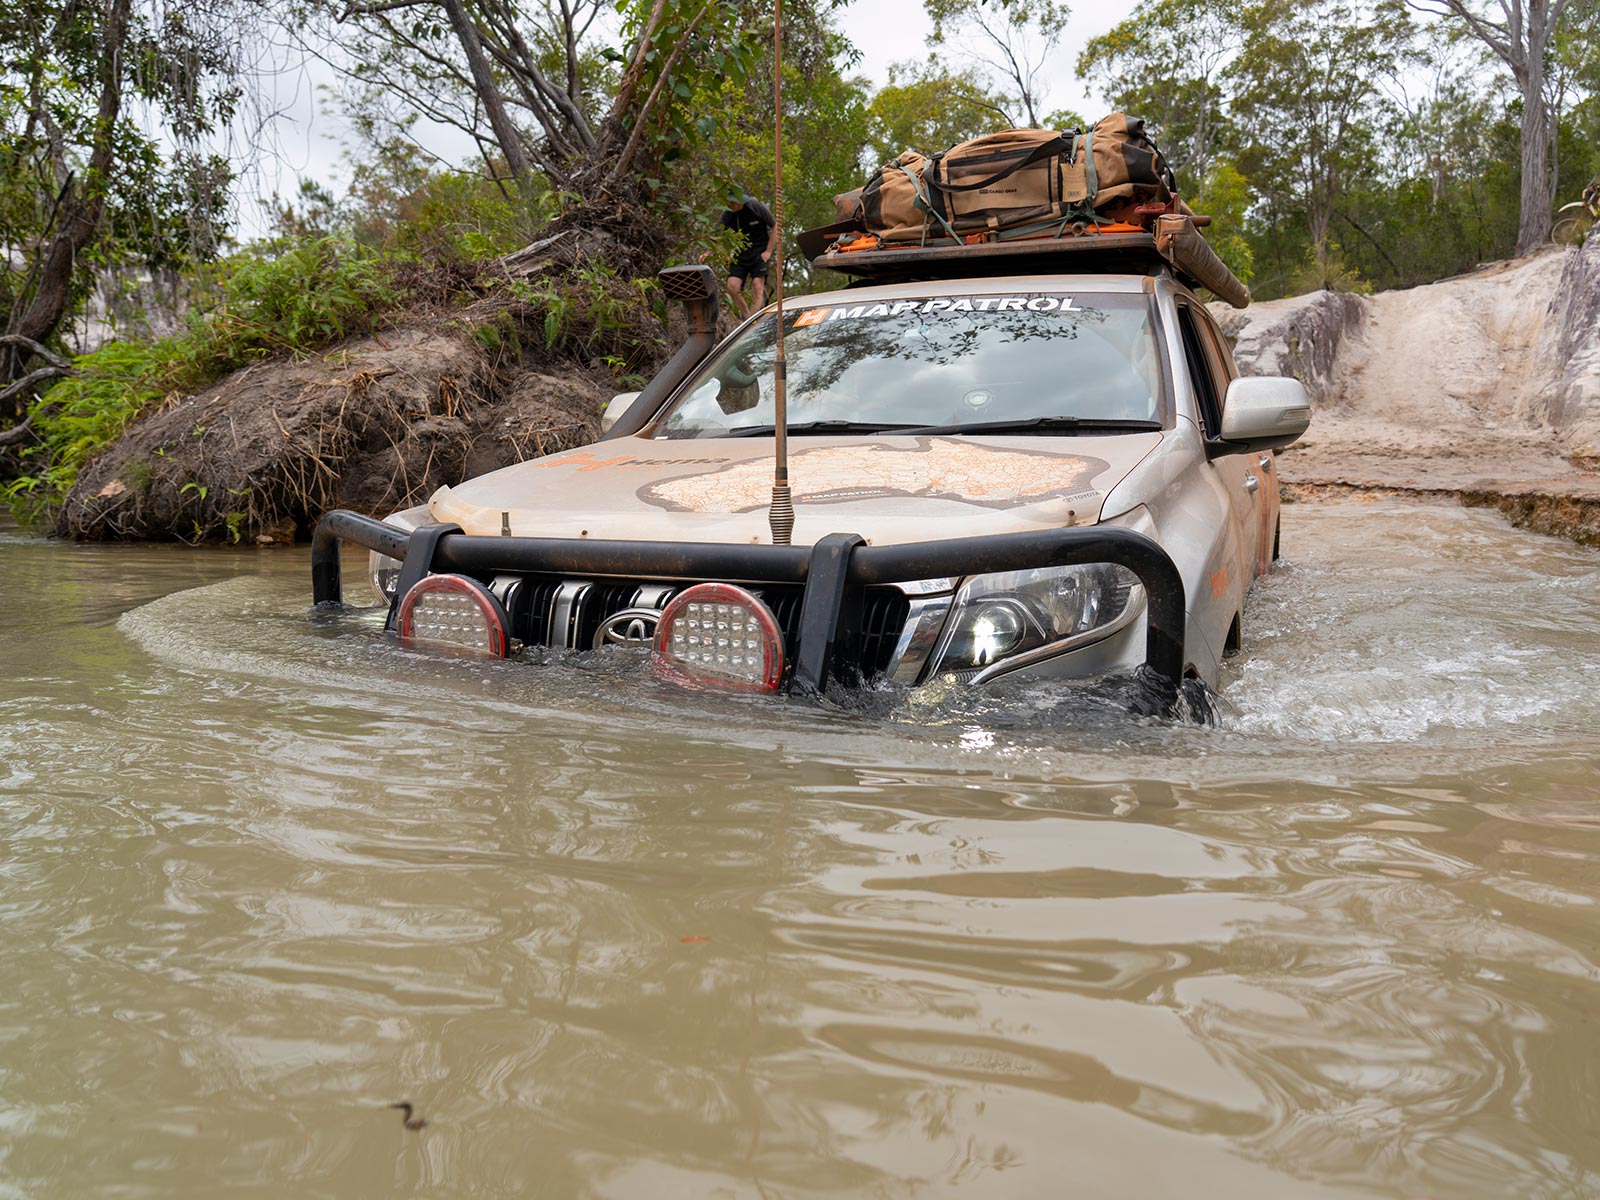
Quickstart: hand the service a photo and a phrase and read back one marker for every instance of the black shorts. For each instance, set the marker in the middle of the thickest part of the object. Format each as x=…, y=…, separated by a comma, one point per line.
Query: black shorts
x=748, y=266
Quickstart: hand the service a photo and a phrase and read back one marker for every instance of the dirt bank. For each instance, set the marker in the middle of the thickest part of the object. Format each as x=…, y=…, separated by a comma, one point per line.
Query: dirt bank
x=375, y=424
x=1484, y=388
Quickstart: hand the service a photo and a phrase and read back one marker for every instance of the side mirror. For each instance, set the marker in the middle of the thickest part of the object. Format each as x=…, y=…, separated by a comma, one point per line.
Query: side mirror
x=619, y=405
x=1266, y=412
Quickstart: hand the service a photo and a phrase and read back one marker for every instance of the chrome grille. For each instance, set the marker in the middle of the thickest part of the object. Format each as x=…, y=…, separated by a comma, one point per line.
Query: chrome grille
x=564, y=612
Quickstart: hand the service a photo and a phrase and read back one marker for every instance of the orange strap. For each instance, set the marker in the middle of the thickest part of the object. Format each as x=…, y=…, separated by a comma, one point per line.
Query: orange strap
x=862, y=241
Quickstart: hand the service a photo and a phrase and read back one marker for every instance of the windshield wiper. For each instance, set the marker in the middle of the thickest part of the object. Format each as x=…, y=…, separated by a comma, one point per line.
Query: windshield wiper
x=815, y=427
x=1046, y=425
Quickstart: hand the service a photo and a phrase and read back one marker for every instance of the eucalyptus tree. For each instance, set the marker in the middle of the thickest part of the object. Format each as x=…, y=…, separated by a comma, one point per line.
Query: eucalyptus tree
x=1572, y=92
x=1308, y=103
x=1520, y=33
x=109, y=111
x=1011, y=38
x=926, y=106
x=1165, y=63
x=592, y=98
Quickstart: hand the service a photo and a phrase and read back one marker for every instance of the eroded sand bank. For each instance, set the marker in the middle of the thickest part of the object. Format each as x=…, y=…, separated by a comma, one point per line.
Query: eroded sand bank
x=1484, y=388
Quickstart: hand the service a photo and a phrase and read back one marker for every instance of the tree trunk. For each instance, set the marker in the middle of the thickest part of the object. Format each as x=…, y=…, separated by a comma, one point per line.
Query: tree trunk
x=81, y=209
x=1533, y=228
x=1521, y=43
x=505, y=133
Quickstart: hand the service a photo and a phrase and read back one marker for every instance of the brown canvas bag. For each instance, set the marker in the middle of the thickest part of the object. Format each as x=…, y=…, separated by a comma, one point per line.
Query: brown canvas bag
x=1005, y=180
x=1122, y=162
x=892, y=204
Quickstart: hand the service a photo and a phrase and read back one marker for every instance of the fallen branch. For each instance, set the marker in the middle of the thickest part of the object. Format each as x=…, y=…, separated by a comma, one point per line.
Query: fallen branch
x=34, y=348
x=32, y=378
x=16, y=433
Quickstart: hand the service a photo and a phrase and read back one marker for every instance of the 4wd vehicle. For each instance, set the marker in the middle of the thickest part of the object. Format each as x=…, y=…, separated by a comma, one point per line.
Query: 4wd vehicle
x=1004, y=461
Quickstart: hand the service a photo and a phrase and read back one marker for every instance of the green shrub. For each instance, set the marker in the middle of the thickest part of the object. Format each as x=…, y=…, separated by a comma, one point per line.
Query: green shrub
x=83, y=414
x=296, y=296
x=453, y=217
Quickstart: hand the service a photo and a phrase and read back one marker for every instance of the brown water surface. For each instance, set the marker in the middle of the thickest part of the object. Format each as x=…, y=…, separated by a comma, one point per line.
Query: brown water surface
x=262, y=876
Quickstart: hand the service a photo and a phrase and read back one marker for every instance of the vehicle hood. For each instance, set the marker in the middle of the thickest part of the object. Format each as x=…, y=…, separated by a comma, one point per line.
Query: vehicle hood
x=887, y=488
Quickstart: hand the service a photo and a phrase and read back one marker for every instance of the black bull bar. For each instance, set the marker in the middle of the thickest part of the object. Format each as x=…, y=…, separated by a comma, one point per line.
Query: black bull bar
x=829, y=571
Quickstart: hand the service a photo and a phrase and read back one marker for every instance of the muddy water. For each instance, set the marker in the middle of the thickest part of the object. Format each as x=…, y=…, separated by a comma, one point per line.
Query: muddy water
x=262, y=876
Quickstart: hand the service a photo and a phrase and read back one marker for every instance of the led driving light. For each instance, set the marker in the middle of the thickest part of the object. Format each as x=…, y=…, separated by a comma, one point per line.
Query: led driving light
x=452, y=610
x=714, y=635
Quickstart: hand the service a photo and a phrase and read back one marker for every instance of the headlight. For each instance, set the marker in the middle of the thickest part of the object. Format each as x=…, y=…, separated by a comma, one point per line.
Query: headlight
x=996, y=617
x=385, y=571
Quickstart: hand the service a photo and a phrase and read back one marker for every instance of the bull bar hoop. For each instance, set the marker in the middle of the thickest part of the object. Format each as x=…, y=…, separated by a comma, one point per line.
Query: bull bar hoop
x=829, y=571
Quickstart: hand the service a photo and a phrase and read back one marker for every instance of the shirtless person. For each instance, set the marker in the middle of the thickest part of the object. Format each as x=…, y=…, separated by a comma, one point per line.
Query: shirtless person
x=754, y=220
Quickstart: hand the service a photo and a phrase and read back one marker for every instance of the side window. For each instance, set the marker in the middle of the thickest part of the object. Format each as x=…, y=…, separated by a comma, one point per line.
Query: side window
x=1200, y=373
x=1216, y=348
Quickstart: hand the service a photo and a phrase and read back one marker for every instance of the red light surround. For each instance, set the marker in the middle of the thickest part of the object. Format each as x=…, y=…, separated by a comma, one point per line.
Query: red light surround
x=715, y=635
x=454, y=611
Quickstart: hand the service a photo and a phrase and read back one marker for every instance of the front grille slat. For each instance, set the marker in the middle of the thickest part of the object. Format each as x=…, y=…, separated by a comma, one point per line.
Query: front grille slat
x=532, y=610
x=536, y=603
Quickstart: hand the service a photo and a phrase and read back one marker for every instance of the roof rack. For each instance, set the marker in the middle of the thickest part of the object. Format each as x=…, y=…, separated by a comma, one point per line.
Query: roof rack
x=1176, y=247
x=1111, y=253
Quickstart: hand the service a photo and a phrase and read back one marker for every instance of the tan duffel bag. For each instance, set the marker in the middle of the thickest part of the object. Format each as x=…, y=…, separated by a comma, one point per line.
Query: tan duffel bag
x=1122, y=162
x=1003, y=181
x=892, y=204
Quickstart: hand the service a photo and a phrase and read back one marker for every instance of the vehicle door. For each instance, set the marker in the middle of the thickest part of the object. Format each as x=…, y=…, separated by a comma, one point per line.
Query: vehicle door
x=1240, y=478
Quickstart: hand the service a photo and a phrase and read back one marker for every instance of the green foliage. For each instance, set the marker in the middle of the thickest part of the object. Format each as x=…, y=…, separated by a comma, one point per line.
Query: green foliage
x=1067, y=118
x=1309, y=73
x=399, y=203
x=1165, y=63
x=151, y=190
x=1376, y=150
x=824, y=130
x=293, y=296
x=1225, y=197
x=595, y=315
x=85, y=413
x=925, y=106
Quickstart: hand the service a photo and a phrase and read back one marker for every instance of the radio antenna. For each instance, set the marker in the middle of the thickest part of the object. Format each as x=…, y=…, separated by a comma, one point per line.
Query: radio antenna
x=781, y=513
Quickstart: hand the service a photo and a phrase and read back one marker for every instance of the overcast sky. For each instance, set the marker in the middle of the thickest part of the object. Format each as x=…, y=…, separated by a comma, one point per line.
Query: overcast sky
x=308, y=139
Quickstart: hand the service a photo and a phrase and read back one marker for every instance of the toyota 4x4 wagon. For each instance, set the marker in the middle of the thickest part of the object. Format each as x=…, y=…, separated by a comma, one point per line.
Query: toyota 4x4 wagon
x=1017, y=464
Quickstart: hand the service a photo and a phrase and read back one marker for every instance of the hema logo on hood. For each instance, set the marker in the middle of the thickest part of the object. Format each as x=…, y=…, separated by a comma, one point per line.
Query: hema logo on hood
x=930, y=467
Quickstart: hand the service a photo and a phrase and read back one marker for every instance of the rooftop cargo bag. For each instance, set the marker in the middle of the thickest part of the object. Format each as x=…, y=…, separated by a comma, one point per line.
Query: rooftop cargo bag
x=1004, y=181
x=892, y=204
x=1122, y=162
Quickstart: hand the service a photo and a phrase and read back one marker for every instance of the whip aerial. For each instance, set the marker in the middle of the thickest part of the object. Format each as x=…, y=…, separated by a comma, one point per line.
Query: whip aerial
x=780, y=515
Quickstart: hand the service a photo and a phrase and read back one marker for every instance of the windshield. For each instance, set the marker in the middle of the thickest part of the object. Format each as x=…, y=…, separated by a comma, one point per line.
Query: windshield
x=1043, y=362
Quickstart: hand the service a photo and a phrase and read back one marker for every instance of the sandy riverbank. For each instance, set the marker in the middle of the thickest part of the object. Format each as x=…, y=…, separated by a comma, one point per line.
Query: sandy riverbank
x=1484, y=389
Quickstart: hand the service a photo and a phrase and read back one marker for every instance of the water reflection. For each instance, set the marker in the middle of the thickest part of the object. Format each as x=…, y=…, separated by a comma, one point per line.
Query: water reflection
x=264, y=879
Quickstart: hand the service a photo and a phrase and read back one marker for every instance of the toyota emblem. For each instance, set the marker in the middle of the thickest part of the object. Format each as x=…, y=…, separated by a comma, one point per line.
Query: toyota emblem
x=630, y=627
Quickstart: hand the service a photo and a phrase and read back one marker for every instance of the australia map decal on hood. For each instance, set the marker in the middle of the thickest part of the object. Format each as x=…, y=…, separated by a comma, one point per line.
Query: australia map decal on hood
x=932, y=468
